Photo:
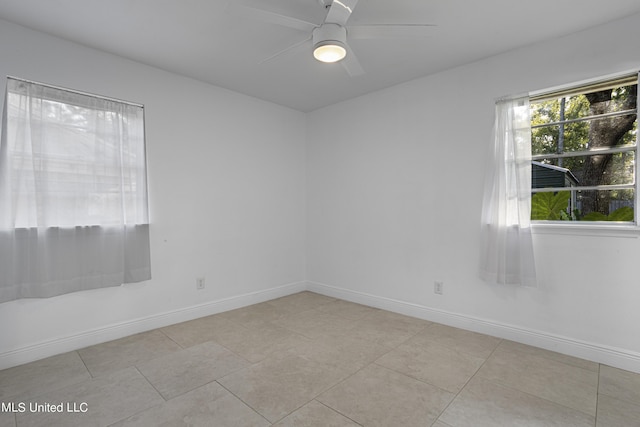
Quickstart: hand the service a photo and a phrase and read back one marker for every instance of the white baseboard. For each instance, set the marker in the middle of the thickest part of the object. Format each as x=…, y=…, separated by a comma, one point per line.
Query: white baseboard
x=618, y=358
x=615, y=357
x=111, y=332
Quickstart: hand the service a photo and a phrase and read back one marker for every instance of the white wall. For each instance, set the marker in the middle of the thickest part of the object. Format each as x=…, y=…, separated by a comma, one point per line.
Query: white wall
x=394, y=195
x=227, y=194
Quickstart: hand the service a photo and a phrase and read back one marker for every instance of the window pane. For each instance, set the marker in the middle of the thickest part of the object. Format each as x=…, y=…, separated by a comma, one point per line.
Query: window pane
x=571, y=137
x=603, y=169
x=579, y=106
x=610, y=205
x=576, y=205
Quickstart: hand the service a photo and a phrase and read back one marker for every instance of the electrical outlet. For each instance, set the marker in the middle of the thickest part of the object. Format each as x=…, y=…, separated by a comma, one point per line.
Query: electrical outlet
x=200, y=283
x=438, y=287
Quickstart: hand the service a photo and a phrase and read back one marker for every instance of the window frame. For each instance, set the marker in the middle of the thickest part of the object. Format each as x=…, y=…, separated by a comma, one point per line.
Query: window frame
x=596, y=228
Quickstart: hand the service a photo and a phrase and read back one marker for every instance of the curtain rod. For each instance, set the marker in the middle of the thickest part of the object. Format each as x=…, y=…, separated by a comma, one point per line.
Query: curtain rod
x=78, y=92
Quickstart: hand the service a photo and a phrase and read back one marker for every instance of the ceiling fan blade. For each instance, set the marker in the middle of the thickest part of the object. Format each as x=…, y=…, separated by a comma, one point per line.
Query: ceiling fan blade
x=351, y=64
x=238, y=8
x=301, y=45
x=340, y=11
x=380, y=31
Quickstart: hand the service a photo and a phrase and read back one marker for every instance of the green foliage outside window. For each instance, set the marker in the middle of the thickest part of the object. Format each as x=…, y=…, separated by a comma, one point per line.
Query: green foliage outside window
x=553, y=207
x=550, y=206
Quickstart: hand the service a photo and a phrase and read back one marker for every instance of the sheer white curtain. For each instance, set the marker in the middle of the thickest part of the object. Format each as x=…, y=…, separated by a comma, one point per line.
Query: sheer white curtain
x=507, y=247
x=73, y=192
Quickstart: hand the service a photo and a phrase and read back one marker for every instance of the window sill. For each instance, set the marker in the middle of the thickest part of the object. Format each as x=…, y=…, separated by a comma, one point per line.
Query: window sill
x=587, y=229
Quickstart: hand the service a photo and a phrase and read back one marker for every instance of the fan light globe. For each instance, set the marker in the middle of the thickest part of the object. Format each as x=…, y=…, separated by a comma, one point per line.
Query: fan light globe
x=329, y=51
x=329, y=43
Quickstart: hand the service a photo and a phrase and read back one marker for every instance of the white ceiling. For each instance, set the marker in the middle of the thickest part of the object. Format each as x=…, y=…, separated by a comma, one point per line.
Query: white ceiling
x=200, y=39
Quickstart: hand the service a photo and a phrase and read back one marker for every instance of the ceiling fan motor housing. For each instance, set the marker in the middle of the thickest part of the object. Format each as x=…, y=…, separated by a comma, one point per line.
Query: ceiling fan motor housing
x=329, y=34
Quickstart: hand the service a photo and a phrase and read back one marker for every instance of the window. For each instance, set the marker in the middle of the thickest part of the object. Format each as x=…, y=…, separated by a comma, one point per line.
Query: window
x=584, y=153
x=73, y=192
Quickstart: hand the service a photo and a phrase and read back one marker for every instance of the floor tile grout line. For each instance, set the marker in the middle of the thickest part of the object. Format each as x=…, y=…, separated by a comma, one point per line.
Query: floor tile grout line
x=434, y=385
x=326, y=389
x=595, y=421
x=41, y=393
x=336, y=385
x=382, y=367
x=511, y=387
x=84, y=363
x=150, y=383
x=423, y=382
x=550, y=359
x=214, y=341
x=135, y=363
x=234, y=353
x=334, y=410
x=634, y=403
x=347, y=377
x=241, y=400
x=468, y=381
x=375, y=362
x=169, y=338
x=143, y=409
x=166, y=400
x=249, y=364
x=170, y=399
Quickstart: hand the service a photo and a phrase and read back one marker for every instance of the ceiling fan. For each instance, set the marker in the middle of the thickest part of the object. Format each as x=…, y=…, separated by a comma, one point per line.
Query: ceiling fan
x=328, y=39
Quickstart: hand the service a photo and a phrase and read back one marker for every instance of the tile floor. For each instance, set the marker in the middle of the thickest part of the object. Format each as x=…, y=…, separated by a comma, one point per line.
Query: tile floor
x=311, y=360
